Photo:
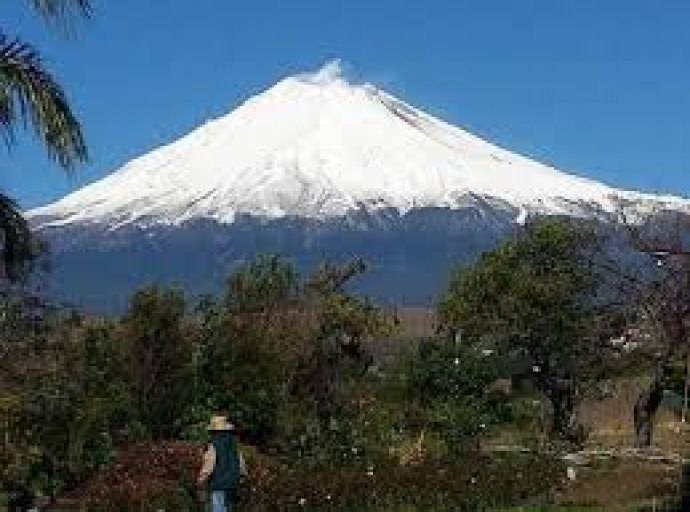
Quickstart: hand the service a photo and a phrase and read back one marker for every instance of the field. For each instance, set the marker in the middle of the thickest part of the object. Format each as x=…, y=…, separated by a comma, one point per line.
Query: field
x=616, y=477
x=610, y=475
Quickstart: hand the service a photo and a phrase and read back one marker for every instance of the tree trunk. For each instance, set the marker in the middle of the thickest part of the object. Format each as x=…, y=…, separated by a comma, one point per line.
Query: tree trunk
x=685, y=486
x=648, y=402
x=565, y=422
x=561, y=414
x=646, y=407
x=325, y=382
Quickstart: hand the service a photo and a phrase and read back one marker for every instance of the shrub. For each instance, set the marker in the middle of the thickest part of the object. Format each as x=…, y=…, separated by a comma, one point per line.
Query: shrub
x=475, y=483
x=145, y=477
x=448, y=386
x=161, y=476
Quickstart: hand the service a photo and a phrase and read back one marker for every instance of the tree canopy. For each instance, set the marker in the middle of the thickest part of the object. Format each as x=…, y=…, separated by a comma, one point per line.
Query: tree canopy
x=536, y=298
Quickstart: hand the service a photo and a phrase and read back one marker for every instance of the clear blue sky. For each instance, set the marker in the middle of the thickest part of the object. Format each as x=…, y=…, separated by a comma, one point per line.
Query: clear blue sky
x=600, y=87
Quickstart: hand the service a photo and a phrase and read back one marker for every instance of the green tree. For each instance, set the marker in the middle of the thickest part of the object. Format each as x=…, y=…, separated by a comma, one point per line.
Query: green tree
x=449, y=383
x=63, y=398
x=80, y=405
x=30, y=95
x=277, y=342
x=245, y=344
x=160, y=355
x=341, y=325
x=537, y=298
x=25, y=347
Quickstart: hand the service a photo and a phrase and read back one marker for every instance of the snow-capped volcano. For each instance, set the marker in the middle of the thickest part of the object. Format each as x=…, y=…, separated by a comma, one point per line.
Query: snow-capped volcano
x=316, y=168
x=318, y=146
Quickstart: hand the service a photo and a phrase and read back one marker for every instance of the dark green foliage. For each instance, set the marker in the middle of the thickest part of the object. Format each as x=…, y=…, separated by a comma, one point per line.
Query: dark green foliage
x=30, y=95
x=239, y=375
x=20, y=248
x=277, y=343
x=341, y=326
x=159, y=358
x=246, y=344
x=536, y=298
x=63, y=404
x=444, y=370
x=264, y=285
x=450, y=384
x=287, y=359
x=78, y=412
x=72, y=391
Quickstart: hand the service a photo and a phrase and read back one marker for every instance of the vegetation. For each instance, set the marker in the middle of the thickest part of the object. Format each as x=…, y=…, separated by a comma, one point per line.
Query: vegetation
x=657, y=292
x=158, y=354
x=448, y=386
x=30, y=95
x=537, y=300
x=111, y=414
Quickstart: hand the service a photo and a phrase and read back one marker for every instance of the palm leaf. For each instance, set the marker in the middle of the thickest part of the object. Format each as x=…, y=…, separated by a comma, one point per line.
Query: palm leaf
x=30, y=95
x=62, y=10
x=18, y=247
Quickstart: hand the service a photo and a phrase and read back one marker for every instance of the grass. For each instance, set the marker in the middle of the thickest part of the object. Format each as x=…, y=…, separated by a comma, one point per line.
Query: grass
x=551, y=509
x=517, y=509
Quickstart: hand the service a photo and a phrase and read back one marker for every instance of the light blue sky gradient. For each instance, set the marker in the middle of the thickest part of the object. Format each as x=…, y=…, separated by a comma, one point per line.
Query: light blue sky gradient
x=597, y=87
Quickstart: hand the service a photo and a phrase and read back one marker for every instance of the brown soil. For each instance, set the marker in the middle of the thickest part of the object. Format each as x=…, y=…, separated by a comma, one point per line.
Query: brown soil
x=629, y=482
x=612, y=425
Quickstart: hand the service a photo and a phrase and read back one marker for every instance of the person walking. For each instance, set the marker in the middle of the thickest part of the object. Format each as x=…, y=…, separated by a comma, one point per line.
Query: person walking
x=223, y=465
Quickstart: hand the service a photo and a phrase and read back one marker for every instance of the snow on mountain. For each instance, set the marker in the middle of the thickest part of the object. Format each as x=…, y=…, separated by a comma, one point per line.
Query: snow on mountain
x=319, y=146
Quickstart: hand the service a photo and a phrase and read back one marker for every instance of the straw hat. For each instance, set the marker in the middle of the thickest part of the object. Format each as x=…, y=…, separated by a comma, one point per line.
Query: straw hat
x=220, y=423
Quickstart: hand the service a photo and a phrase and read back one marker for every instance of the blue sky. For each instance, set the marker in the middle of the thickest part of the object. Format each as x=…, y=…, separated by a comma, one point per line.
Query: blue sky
x=597, y=87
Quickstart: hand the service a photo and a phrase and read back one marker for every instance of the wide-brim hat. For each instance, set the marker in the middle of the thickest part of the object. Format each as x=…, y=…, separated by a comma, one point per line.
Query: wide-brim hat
x=220, y=423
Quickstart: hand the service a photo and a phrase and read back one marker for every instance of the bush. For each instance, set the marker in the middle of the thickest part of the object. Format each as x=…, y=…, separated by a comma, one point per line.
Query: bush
x=448, y=386
x=474, y=483
x=161, y=476
x=145, y=477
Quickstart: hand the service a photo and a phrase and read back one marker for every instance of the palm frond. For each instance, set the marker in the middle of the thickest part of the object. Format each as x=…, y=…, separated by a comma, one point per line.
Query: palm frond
x=62, y=10
x=18, y=246
x=30, y=95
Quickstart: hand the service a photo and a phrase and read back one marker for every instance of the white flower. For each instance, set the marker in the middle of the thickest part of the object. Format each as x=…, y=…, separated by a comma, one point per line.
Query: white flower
x=457, y=361
x=302, y=502
x=536, y=368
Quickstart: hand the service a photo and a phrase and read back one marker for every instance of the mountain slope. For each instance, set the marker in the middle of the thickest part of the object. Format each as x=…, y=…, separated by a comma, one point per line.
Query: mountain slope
x=316, y=146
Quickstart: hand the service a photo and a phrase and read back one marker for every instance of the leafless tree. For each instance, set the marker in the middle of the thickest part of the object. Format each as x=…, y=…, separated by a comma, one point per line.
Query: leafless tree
x=654, y=285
